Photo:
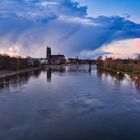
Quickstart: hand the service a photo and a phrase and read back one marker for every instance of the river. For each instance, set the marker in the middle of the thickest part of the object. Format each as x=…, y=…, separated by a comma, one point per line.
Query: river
x=70, y=103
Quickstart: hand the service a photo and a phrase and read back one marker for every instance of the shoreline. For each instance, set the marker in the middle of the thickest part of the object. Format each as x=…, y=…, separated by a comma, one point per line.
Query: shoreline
x=130, y=74
x=5, y=74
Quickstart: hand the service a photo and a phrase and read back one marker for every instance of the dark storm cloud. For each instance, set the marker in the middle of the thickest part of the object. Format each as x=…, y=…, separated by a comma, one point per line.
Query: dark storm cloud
x=62, y=23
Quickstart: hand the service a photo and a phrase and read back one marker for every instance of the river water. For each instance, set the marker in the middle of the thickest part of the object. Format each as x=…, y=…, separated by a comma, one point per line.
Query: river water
x=70, y=103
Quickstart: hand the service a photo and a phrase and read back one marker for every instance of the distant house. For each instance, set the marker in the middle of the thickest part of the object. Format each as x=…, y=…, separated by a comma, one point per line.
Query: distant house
x=33, y=61
x=43, y=61
x=77, y=61
x=72, y=60
x=80, y=61
x=30, y=61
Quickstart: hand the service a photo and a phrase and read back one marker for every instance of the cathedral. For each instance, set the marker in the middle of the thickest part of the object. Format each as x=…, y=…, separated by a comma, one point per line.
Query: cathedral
x=54, y=59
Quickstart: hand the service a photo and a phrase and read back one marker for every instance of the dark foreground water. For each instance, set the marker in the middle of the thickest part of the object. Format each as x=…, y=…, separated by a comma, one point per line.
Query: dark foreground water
x=70, y=103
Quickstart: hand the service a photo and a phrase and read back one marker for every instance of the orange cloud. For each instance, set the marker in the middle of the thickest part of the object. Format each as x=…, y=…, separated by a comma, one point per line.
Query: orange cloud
x=137, y=43
x=123, y=49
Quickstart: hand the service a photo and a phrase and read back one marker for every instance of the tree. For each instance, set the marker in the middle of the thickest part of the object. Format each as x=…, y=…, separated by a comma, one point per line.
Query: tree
x=99, y=61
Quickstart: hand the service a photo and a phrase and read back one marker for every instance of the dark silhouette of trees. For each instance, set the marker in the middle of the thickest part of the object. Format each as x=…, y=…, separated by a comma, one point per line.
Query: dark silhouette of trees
x=99, y=62
x=15, y=63
x=131, y=66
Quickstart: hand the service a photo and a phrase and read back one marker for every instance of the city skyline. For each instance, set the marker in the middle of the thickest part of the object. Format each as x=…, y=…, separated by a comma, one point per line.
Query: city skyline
x=85, y=28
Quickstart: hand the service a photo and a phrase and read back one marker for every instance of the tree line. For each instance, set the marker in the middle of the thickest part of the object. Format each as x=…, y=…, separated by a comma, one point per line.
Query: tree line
x=130, y=66
x=15, y=63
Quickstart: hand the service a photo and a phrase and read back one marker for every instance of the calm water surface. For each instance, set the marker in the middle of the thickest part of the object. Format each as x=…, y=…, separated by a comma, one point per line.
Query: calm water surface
x=70, y=103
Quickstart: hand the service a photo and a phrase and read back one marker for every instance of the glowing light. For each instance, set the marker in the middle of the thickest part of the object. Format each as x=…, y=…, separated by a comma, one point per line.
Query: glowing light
x=123, y=49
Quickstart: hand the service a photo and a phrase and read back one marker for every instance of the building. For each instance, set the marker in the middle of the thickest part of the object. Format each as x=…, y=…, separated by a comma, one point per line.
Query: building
x=48, y=52
x=80, y=61
x=33, y=61
x=54, y=59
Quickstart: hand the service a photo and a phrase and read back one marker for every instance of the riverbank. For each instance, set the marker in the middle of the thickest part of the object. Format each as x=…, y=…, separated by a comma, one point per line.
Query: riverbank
x=119, y=72
x=5, y=74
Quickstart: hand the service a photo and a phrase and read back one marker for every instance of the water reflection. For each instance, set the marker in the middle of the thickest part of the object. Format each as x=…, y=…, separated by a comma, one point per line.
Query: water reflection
x=118, y=78
x=51, y=69
x=80, y=68
x=49, y=75
x=113, y=75
x=18, y=80
x=66, y=69
x=85, y=105
x=22, y=79
x=136, y=81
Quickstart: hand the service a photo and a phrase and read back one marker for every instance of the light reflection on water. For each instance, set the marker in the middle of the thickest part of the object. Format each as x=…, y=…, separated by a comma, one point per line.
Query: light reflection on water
x=70, y=103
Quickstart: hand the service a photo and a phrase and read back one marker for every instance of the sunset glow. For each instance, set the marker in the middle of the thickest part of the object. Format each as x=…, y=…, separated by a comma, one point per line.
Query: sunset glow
x=123, y=49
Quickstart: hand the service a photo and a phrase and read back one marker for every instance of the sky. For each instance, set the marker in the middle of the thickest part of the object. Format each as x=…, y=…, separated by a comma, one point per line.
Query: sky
x=84, y=28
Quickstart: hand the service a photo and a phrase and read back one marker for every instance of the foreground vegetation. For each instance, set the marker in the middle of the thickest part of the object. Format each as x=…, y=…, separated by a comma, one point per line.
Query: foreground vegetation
x=129, y=66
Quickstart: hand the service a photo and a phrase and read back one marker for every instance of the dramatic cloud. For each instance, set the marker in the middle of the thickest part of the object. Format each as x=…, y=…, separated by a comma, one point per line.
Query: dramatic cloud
x=125, y=49
x=28, y=26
